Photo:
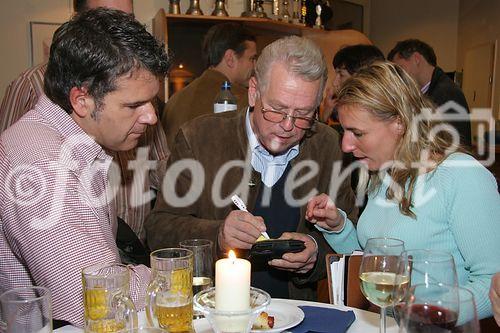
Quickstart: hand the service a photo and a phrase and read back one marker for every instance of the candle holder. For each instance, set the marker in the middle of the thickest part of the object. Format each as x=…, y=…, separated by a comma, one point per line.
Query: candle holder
x=231, y=321
x=194, y=8
x=255, y=9
x=220, y=8
x=174, y=7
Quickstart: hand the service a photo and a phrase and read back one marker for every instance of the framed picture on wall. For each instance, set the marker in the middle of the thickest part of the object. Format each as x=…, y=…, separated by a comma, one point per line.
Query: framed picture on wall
x=40, y=40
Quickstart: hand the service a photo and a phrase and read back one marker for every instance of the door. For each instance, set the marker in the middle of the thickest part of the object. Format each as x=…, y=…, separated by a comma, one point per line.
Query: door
x=478, y=79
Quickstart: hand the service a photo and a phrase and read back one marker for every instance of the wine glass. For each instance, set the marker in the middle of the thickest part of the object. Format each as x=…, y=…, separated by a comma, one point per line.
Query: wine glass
x=427, y=267
x=379, y=273
x=439, y=308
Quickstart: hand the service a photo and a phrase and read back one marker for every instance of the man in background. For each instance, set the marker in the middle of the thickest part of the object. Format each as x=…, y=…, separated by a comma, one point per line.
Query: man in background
x=346, y=62
x=230, y=53
x=22, y=95
x=56, y=205
x=419, y=60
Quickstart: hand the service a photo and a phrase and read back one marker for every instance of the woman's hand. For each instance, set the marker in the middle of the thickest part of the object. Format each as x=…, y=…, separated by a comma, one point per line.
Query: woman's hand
x=322, y=211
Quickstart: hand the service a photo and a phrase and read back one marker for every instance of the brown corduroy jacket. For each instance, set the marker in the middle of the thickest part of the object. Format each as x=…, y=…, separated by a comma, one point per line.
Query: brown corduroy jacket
x=213, y=141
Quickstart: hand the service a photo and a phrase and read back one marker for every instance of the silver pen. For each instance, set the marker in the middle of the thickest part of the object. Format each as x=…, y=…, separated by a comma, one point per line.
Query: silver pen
x=241, y=205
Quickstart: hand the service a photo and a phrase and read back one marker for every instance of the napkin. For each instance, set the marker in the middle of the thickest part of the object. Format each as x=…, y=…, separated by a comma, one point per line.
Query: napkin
x=324, y=320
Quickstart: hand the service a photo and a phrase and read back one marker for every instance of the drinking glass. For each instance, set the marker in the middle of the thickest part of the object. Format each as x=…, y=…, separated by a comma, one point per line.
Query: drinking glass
x=379, y=273
x=427, y=267
x=147, y=329
x=107, y=303
x=202, y=265
x=169, y=296
x=26, y=310
x=439, y=308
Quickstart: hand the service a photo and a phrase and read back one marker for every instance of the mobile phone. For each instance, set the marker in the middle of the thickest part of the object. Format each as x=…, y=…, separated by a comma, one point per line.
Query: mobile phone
x=275, y=248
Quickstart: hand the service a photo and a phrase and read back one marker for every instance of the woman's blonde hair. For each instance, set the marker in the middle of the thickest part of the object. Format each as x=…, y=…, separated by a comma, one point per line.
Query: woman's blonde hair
x=385, y=90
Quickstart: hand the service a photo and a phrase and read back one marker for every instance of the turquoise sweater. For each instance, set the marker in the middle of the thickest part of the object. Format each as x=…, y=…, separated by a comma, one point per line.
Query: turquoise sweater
x=458, y=211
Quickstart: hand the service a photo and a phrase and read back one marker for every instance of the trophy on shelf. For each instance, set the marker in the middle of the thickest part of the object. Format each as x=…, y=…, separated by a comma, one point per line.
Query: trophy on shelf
x=276, y=9
x=194, y=8
x=303, y=12
x=220, y=8
x=318, y=24
x=296, y=11
x=285, y=14
x=174, y=7
x=255, y=9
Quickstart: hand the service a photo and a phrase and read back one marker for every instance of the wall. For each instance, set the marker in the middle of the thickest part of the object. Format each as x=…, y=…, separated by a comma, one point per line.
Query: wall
x=478, y=24
x=434, y=22
x=14, y=23
x=15, y=16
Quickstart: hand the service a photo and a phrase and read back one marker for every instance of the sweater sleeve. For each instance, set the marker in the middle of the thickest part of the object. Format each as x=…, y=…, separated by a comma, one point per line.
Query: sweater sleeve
x=474, y=218
x=344, y=242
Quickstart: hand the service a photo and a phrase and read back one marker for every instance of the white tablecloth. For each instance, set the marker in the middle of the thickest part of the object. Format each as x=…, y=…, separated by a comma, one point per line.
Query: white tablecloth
x=365, y=322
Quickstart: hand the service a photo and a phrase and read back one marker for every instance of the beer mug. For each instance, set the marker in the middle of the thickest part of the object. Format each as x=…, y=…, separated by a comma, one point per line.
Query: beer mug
x=106, y=298
x=169, y=297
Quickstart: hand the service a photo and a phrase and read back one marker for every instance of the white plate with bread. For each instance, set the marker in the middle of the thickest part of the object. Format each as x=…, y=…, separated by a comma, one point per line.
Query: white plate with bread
x=285, y=316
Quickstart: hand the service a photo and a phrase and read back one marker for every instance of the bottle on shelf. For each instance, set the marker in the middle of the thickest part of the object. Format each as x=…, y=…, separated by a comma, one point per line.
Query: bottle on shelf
x=225, y=100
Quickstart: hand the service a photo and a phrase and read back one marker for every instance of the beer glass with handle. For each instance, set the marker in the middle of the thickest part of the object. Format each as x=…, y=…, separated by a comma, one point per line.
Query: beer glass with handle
x=169, y=296
x=106, y=299
x=379, y=273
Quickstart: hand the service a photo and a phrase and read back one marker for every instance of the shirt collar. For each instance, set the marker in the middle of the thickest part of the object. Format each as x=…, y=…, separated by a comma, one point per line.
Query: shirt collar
x=72, y=134
x=425, y=87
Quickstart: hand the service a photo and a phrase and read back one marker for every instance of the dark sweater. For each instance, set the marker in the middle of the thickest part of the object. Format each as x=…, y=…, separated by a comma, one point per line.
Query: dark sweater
x=441, y=90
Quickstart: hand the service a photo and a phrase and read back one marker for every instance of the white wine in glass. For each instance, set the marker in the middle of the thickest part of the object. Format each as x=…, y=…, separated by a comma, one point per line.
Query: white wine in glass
x=380, y=288
x=379, y=273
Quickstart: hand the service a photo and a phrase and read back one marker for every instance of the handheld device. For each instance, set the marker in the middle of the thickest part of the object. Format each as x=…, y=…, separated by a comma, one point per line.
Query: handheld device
x=275, y=248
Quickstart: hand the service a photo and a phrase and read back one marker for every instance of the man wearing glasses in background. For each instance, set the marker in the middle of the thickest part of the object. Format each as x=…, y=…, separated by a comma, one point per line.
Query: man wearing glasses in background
x=275, y=139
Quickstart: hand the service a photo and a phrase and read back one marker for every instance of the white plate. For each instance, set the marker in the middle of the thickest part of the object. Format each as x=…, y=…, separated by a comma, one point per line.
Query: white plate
x=285, y=316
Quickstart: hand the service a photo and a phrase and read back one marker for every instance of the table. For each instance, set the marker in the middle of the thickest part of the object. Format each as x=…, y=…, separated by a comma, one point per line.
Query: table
x=365, y=322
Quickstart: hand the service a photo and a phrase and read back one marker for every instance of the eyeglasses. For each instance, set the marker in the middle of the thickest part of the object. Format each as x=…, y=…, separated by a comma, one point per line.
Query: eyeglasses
x=304, y=123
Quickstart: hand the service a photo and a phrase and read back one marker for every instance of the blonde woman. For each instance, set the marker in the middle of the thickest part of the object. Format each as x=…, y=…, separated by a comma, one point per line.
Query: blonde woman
x=422, y=188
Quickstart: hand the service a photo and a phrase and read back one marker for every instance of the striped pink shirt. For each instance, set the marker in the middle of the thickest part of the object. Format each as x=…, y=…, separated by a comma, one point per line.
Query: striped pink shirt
x=21, y=96
x=56, y=215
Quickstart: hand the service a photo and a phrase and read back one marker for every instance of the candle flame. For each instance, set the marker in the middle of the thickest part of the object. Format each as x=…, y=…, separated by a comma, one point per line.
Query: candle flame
x=231, y=255
x=181, y=66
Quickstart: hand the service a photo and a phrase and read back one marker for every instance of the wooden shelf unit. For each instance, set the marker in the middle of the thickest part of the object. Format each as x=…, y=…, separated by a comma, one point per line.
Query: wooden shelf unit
x=183, y=35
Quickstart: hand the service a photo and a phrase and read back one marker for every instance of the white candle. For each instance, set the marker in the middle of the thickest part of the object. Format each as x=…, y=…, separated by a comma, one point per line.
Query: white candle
x=232, y=284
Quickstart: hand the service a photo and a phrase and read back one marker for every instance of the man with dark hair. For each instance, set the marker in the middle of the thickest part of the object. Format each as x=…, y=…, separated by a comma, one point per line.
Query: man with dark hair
x=57, y=214
x=346, y=62
x=230, y=52
x=419, y=60
x=24, y=92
